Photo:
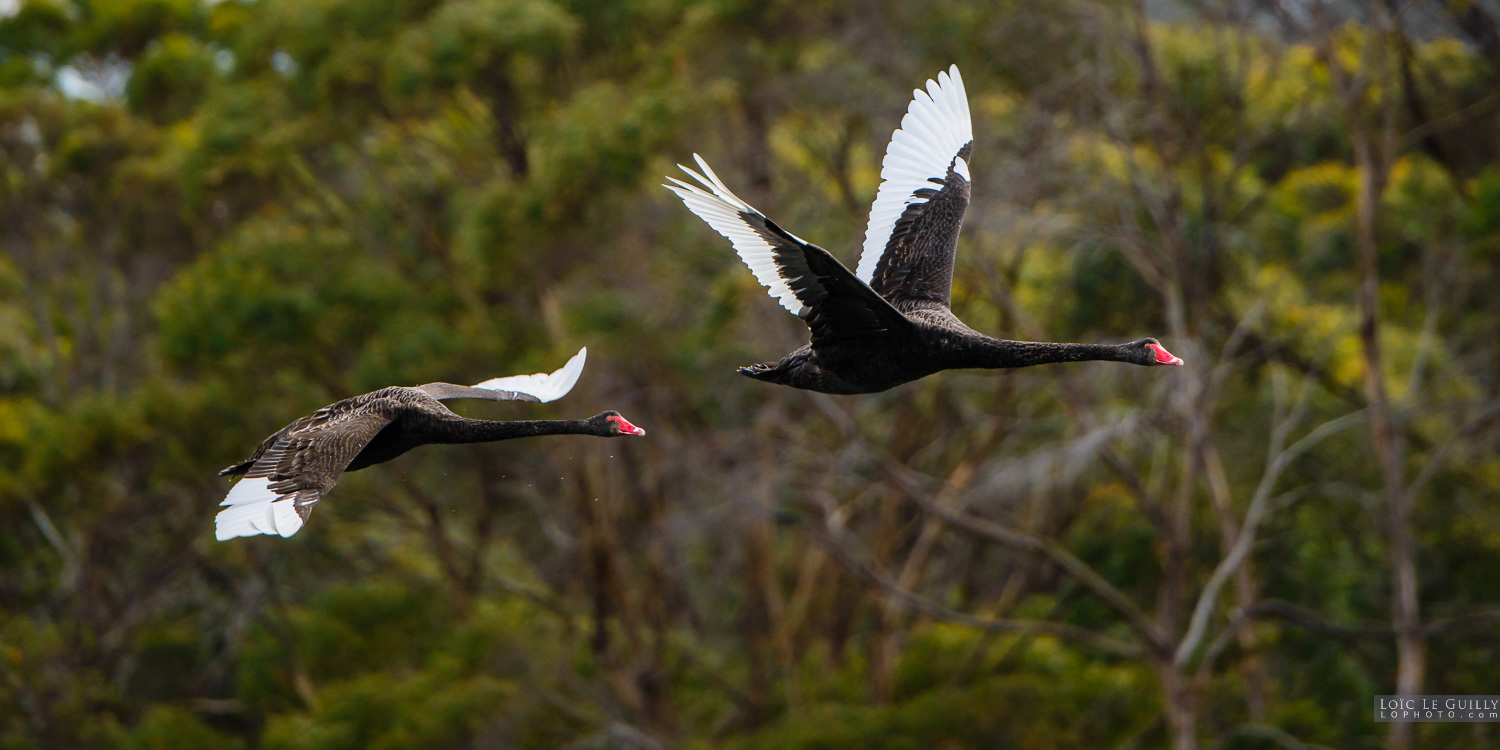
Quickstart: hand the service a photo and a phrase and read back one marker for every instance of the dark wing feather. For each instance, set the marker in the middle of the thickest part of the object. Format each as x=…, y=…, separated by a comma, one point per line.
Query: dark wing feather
x=924, y=191
x=806, y=280
x=300, y=465
x=326, y=415
x=836, y=305
x=917, y=262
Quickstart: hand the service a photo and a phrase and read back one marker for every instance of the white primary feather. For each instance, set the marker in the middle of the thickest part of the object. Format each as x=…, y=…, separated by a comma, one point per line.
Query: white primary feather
x=935, y=127
x=255, y=509
x=284, y=511
x=544, y=386
x=722, y=209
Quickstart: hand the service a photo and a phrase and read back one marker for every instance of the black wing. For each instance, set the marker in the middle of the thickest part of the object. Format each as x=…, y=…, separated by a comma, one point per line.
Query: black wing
x=914, y=222
x=806, y=279
x=837, y=305
x=300, y=464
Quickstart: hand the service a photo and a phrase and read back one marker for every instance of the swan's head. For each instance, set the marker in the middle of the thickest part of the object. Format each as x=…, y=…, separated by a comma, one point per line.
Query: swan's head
x=611, y=424
x=1153, y=353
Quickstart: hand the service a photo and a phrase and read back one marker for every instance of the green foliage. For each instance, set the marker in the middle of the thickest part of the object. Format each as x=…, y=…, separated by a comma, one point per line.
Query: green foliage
x=292, y=293
x=959, y=689
x=170, y=78
x=129, y=27
x=461, y=42
x=163, y=727
x=375, y=711
x=37, y=27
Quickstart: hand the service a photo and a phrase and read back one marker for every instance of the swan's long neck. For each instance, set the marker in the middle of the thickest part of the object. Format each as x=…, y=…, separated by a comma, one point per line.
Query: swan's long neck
x=1000, y=354
x=486, y=431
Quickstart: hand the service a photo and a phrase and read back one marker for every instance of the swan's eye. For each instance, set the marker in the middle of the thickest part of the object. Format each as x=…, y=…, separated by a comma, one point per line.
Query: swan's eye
x=625, y=427
x=1163, y=357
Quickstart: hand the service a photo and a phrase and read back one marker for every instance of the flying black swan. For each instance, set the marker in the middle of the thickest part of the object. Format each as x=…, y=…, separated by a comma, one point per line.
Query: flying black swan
x=299, y=464
x=890, y=322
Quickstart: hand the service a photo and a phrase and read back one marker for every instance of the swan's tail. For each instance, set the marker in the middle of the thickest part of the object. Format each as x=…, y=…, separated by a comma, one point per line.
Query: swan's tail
x=770, y=372
x=238, y=468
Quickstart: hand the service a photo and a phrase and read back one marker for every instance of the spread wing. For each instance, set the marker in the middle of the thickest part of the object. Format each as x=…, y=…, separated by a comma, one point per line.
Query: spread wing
x=540, y=387
x=805, y=278
x=300, y=465
x=924, y=191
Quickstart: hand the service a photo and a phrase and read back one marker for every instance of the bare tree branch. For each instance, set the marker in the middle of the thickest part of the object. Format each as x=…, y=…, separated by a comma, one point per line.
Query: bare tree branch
x=1060, y=557
x=1268, y=732
x=1435, y=461
x=1253, y=515
x=834, y=539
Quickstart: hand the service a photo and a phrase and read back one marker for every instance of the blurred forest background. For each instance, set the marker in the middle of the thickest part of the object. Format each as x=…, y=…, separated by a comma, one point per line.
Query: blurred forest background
x=216, y=217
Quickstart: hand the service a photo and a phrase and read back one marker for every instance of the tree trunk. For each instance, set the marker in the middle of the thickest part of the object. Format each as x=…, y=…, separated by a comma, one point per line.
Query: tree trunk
x=1244, y=579
x=501, y=93
x=1406, y=615
x=1179, y=703
x=756, y=618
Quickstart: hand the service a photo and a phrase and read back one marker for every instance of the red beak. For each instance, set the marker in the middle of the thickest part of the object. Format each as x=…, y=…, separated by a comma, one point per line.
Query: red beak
x=627, y=428
x=1164, y=357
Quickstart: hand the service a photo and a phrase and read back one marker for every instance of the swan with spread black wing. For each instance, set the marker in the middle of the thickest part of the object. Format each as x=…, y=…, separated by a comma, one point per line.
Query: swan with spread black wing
x=888, y=322
x=294, y=468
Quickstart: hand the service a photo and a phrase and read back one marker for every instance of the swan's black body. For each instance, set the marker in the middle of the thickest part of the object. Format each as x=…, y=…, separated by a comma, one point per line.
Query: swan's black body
x=872, y=337
x=384, y=424
x=293, y=468
x=939, y=342
x=891, y=323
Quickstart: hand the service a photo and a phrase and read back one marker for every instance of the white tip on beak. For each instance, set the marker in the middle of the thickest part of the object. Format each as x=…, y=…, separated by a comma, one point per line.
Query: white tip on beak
x=1164, y=357
x=626, y=428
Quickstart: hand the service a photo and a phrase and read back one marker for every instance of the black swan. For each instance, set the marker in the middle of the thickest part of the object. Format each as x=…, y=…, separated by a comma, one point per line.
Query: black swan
x=295, y=467
x=890, y=322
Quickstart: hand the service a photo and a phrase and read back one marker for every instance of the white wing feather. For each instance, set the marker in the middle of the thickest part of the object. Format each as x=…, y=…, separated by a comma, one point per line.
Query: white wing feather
x=544, y=386
x=721, y=209
x=935, y=128
x=255, y=509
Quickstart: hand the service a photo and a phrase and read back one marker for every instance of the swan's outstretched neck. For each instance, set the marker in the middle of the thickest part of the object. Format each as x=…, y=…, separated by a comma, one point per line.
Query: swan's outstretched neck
x=486, y=431
x=1000, y=354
